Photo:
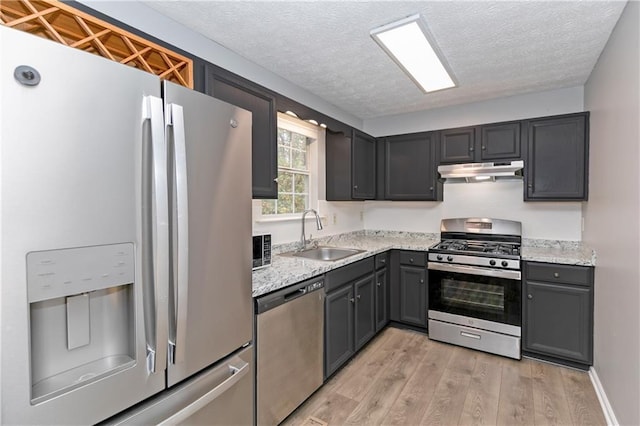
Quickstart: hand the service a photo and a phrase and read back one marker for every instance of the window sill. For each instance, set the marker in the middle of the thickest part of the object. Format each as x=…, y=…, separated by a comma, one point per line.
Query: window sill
x=292, y=218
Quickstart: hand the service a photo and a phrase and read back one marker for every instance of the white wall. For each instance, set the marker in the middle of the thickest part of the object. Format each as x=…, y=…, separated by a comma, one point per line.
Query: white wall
x=611, y=216
x=337, y=217
x=152, y=22
x=503, y=200
x=540, y=104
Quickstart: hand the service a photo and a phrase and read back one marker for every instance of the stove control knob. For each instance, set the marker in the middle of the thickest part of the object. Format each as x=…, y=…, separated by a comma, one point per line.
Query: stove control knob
x=492, y=262
x=439, y=257
x=505, y=263
x=450, y=258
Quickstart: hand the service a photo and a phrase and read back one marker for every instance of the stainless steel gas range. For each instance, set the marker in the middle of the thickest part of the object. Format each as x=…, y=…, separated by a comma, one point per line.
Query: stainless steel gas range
x=475, y=285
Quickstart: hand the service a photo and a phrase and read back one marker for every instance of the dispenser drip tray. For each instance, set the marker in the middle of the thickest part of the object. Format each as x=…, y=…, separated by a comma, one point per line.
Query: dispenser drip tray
x=79, y=376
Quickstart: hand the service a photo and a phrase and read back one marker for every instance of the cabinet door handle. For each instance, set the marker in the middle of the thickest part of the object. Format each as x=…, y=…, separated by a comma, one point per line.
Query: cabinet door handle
x=421, y=281
x=355, y=186
x=530, y=186
x=431, y=188
x=529, y=296
x=484, y=147
x=411, y=259
x=378, y=284
x=383, y=260
x=358, y=297
x=352, y=300
x=470, y=149
x=556, y=275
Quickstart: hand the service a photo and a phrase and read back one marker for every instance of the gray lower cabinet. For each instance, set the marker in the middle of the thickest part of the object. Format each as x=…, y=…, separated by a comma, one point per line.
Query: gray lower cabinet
x=413, y=295
x=408, y=288
x=558, y=313
x=350, y=312
x=382, y=299
x=339, y=343
x=365, y=310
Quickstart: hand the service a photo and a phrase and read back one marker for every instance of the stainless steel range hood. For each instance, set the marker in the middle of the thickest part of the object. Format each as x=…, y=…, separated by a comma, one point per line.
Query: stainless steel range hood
x=481, y=172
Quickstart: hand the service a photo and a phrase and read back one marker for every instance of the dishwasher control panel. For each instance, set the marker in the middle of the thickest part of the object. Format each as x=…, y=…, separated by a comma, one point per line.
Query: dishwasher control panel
x=287, y=294
x=315, y=286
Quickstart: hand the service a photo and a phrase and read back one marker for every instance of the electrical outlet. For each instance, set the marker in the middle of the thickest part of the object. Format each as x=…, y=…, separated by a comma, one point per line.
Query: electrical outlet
x=335, y=218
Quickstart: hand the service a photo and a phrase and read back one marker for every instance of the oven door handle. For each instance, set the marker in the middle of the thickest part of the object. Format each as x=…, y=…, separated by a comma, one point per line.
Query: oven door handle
x=471, y=270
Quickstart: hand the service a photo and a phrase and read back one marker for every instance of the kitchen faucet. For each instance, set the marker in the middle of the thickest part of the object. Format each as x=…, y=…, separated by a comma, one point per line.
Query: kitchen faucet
x=303, y=238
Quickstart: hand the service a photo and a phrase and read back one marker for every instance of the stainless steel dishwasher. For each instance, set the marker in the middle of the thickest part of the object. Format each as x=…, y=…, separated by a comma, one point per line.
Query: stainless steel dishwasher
x=289, y=349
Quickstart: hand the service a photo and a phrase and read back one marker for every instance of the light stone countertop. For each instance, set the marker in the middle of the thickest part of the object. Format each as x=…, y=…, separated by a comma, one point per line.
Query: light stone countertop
x=581, y=255
x=285, y=271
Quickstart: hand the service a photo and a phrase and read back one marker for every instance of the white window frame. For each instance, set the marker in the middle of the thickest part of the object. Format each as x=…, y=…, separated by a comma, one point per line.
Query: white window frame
x=316, y=134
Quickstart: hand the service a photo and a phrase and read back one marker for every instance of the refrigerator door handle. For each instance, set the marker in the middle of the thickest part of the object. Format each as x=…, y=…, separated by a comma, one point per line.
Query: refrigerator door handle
x=156, y=223
x=177, y=332
x=236, y=372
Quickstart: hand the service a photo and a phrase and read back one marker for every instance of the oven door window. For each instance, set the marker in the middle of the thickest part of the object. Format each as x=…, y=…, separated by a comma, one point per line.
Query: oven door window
x=488, y=298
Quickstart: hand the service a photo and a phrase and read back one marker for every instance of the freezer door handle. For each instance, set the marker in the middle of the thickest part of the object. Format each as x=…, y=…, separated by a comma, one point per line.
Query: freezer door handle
x=237, y=370
x=179, y=283
x=155, y=237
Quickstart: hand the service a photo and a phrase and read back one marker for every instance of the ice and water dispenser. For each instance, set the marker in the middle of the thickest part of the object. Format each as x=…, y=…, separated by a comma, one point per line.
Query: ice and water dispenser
x=82, y=316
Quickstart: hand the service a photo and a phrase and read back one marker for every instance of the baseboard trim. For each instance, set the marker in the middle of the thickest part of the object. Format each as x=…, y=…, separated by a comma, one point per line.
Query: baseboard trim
x=609, y=415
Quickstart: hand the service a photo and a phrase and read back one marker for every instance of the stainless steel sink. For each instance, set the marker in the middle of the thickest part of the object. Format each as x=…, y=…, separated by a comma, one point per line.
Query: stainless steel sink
x=325, y=253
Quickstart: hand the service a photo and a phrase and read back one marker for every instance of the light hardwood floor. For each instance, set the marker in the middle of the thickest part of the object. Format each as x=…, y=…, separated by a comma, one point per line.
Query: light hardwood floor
x=403, y=378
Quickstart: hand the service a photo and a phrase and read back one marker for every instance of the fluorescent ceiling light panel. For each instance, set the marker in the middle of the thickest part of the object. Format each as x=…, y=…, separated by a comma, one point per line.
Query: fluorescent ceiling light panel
x=410, y=45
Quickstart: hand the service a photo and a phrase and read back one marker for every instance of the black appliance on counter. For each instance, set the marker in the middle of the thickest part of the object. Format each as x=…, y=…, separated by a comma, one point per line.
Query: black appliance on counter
x=261, y=251
x=475, y=287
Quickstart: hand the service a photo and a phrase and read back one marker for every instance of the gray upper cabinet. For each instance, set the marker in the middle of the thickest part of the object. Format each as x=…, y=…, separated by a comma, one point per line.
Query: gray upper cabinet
x=489, y=142
x=350, y=166
x=558, y=313
x=500, y=141
x=363, y=169
x=229, y=88
x=338, y=166
x=557, y=158
x=410, y=171
x=458, y=145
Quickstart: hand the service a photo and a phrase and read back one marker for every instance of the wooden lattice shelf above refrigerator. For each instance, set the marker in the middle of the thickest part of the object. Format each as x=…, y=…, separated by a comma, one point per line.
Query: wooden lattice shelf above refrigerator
x=60, y=22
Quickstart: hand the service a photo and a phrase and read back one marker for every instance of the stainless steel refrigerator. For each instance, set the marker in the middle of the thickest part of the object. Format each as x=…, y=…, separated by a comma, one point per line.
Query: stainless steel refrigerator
x=125, y=224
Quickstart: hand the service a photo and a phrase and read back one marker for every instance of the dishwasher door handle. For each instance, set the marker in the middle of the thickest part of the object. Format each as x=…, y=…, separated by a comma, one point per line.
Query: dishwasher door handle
x=296, y=293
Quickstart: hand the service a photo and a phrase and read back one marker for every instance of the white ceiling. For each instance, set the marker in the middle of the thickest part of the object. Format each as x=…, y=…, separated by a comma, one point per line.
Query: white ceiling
x=495, y=48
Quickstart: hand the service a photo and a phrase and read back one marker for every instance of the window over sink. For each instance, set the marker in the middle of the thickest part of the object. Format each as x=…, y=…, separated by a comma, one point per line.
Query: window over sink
x=297, y=168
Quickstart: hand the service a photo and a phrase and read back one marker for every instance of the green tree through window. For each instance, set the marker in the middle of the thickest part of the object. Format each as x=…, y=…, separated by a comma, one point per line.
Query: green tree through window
x=293, y=174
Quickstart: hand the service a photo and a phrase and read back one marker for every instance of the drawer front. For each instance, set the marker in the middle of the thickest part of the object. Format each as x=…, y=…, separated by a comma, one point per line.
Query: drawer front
x=415, y=258
x=382, y=260
x=341, y=276
x=550, y=272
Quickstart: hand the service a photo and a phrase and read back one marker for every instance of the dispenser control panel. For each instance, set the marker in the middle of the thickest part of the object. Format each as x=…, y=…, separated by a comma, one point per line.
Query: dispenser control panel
x=66, y=272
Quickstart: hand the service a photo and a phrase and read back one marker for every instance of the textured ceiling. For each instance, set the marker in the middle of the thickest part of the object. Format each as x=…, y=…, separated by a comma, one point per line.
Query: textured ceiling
x=495, y=49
